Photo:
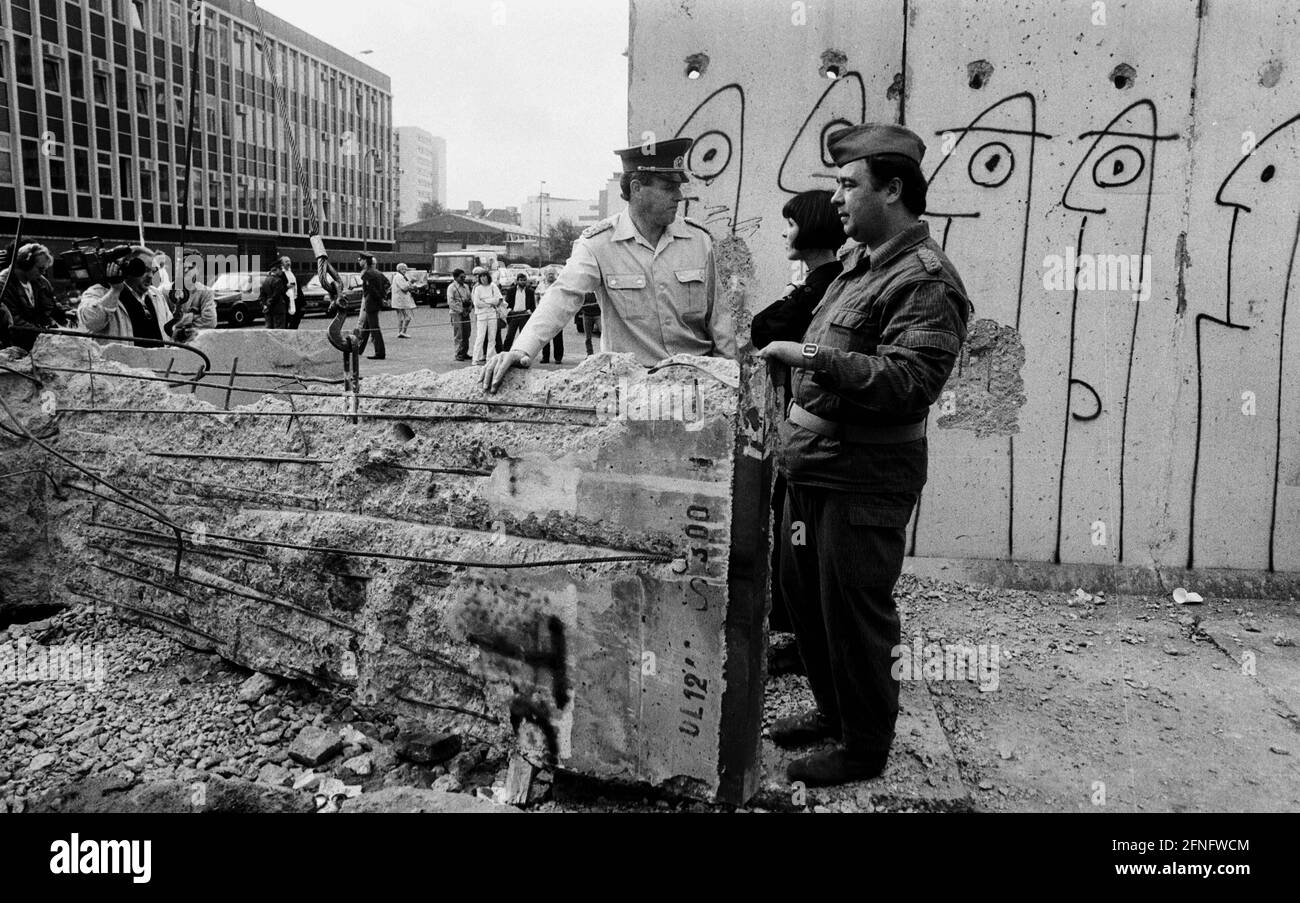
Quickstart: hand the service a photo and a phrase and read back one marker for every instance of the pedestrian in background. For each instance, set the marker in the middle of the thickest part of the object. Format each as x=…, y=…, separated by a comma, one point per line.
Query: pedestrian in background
x=296, y=309
x=403, y=303
x=549, y=275
x=460, y=302
x=521, y=301
x=194, y=304
x=274, y=298
x=374, y=286
x=487, y=309
x=590, y=318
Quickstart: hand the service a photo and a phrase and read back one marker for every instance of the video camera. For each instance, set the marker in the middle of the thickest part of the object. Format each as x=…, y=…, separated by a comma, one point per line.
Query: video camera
x=89, y=263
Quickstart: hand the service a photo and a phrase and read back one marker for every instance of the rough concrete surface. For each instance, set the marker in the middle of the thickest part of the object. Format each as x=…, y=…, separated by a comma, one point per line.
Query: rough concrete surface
x=373, y=553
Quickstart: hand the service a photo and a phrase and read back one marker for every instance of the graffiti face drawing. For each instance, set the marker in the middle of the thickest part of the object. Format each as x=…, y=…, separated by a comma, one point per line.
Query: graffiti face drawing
x=716, y=161
x=1111, y=191
x=980, y=193
x=807, y=164
x=1241, y=457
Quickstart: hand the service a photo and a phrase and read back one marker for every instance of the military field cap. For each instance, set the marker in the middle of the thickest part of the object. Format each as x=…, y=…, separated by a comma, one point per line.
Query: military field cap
x=869, y=139
x=666, y=158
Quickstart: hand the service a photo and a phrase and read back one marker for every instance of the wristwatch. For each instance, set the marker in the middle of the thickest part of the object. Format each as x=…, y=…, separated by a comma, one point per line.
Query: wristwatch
x=809, y=351
x=525, y=360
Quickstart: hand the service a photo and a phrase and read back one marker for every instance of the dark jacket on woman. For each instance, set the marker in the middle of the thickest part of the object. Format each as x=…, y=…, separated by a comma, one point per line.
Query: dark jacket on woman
x=788, y=319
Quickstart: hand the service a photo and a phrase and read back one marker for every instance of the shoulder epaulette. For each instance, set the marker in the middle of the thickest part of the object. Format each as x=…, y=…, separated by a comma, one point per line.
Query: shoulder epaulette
x=595, y=229
x=929, y=260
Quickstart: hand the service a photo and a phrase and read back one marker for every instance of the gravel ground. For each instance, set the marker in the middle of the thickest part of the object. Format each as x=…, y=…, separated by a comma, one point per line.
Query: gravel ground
x=1140, y=696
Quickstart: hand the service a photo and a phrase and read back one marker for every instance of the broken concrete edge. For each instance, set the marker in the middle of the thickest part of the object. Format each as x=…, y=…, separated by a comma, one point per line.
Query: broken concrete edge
x=1127, y=579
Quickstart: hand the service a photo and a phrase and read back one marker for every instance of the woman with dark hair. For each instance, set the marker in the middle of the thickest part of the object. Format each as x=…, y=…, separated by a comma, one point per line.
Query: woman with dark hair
x=813, y=233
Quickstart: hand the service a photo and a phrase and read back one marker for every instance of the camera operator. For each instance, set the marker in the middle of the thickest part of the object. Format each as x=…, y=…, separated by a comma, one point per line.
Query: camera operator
x=131, y=307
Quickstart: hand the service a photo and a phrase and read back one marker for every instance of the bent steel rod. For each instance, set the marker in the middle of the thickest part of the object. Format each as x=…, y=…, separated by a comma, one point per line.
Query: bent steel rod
x=207, y=361
x=156, y=514
x=418, y=559
x=431, y=399
x=432, y=418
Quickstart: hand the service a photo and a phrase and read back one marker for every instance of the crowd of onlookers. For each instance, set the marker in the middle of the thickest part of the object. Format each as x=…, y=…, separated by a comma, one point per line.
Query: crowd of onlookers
x=495, y=318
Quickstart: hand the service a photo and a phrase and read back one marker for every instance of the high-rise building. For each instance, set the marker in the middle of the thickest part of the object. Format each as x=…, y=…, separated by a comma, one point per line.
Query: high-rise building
x=94, y=114
x=422, y=171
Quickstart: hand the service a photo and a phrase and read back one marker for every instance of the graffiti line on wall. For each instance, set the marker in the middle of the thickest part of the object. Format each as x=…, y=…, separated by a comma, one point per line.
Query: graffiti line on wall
x=1120, y=154
x=715, y=159
x=964, y=194
x=1264, y=231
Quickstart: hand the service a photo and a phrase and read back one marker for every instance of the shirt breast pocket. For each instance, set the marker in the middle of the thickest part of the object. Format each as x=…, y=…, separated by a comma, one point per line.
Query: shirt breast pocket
x=691, y=291
x=627, y=295
x=853, y=330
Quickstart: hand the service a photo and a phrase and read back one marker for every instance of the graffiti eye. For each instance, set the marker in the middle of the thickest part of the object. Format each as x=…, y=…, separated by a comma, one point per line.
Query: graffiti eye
x=1118, y=166
x=833, y=126
x=709, y=155
x=1268, y=173
x=991, y=165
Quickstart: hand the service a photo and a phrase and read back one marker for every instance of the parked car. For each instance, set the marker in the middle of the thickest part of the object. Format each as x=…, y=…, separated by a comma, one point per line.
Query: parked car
x=317, y=302
x=238, y=297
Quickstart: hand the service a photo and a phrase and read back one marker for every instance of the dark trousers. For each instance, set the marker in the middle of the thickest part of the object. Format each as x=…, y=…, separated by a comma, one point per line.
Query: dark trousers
x=501, y=331
x=277, y=316
x=368, y=328
x=296, y=317
x=588, y=322
x=460, y=327
x=517, y=321
x=839, y=587
x=558, y=344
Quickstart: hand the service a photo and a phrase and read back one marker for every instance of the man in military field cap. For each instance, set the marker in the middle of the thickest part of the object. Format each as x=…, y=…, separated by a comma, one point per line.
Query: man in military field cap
x=853, y=448
x=652, y=272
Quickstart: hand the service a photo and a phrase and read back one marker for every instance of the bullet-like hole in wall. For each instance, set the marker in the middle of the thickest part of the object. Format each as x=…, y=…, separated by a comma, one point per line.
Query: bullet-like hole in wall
x=696, y=65
x=1123, y=76
x=978, y=73
x=834, y=64
x=402, y=432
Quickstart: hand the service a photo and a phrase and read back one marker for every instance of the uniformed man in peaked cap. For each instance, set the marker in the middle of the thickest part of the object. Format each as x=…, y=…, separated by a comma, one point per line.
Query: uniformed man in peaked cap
x=853, y=448
x=653, y=274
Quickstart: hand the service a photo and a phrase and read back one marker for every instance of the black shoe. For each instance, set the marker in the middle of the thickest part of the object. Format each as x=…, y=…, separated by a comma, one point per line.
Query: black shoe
x=463, y=357
x=836, y=766
x=375, y=357
x=801, y=730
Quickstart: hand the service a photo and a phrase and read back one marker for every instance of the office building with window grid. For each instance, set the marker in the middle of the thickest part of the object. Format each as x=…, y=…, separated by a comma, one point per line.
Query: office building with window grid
x=94, y=110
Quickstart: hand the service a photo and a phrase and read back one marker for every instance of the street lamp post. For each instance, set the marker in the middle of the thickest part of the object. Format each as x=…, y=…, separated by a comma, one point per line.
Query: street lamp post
x=375, y=169
x=541, y=192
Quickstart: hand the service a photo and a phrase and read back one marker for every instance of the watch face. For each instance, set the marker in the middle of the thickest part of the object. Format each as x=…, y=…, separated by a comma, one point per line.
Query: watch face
x=809, y=350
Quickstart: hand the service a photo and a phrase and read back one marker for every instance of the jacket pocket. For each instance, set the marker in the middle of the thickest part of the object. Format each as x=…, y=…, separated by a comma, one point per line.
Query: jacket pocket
x=627, y=295
x=852, y=329
x=691, y=293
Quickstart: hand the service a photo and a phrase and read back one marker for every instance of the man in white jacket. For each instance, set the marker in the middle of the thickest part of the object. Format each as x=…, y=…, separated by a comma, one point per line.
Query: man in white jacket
x=131, y=308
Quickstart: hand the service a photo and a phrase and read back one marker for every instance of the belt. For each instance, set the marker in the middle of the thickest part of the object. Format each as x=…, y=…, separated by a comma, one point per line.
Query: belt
x=856, y=432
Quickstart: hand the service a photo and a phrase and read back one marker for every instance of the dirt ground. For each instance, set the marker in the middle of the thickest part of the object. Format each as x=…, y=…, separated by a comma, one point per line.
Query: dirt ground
x=1096, y=702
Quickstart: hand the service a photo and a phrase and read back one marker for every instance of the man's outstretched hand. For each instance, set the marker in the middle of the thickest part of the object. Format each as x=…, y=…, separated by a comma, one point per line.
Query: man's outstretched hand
x=498, y=366
x=788, y=353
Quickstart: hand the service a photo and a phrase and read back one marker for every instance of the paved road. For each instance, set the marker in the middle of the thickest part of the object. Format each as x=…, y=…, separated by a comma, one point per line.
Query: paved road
x=430, y=346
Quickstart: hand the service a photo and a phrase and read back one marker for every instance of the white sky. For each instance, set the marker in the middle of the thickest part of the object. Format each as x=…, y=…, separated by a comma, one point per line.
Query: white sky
x=522, y=90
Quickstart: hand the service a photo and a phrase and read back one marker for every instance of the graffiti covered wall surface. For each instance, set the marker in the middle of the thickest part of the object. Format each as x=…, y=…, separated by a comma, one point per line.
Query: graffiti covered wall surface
x=1119, y=185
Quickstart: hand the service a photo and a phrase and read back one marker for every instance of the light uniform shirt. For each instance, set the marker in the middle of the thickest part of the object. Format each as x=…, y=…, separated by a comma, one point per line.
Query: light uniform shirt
x=655, y=300
x=291, y=289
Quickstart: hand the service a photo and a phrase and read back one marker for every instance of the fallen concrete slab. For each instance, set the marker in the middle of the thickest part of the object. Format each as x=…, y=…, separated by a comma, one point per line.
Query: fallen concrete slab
x=583, y=573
